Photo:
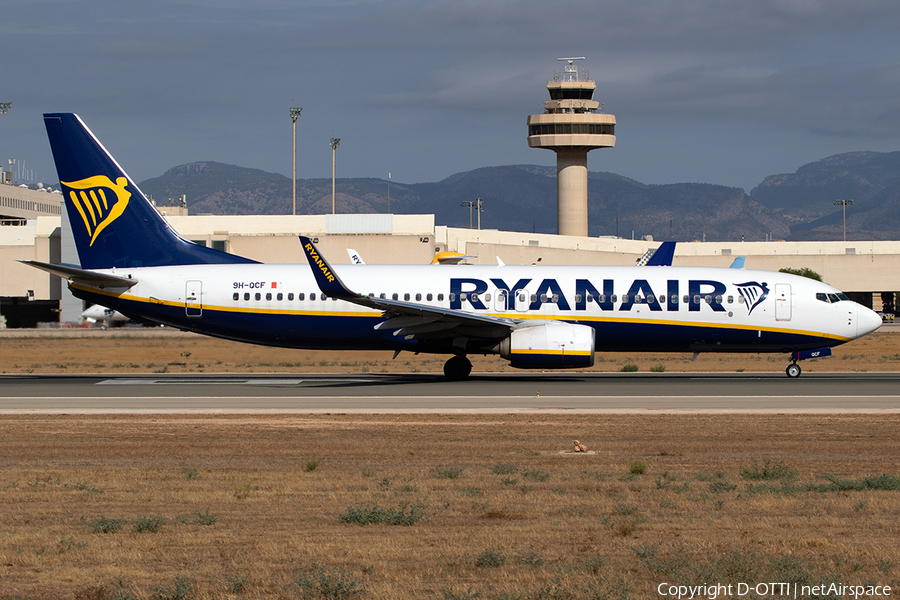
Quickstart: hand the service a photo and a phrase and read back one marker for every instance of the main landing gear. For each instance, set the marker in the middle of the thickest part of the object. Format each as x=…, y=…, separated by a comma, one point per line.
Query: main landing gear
x=457, y=368
x=793, y=370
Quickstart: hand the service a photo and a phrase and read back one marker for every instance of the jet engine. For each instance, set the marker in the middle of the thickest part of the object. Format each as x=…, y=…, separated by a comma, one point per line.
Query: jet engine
x=553, y=345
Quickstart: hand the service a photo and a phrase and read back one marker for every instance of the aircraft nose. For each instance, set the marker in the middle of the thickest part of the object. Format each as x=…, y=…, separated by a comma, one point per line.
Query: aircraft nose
x=867, y=321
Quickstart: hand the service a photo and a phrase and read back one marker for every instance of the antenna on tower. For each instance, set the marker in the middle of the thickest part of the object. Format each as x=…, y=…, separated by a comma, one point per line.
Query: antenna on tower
x=571, y=70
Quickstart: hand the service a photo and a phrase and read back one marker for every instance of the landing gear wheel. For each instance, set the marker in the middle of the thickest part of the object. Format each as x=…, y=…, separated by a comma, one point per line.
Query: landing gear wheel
x=457, y=368
x=793, y=370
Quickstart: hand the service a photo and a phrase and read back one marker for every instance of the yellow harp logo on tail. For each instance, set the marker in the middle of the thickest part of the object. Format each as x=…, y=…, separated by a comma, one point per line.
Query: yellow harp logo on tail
x=98, y=210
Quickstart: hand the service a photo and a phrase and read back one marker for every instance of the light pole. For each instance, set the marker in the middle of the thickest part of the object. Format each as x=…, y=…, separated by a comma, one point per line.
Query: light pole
x=389, y=192
x=843, y=204
x=295, y=114
x=468, y=204
x=335, y=142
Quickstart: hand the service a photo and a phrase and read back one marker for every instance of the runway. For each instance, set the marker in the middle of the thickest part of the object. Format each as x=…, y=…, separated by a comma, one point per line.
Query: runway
x=488, y=393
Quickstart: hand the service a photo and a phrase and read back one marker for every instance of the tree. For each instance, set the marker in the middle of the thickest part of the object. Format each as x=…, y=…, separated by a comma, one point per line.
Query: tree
x=804, y=272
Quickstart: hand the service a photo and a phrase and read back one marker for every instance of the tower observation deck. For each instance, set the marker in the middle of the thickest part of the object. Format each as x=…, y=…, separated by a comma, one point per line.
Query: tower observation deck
x=571, y=127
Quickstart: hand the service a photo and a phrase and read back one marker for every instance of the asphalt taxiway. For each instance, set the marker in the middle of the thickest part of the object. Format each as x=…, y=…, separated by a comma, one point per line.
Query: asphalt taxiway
x=416, y=393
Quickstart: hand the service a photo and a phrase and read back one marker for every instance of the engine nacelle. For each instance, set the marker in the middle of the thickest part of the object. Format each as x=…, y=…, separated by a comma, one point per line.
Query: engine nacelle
x=550, y=346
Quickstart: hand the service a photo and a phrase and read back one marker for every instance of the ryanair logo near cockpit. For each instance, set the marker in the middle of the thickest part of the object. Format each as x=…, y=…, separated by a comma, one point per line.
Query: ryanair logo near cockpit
x=99, y=201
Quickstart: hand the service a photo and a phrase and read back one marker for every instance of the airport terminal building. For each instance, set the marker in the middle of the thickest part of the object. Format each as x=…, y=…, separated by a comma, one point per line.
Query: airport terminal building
x=34, y=228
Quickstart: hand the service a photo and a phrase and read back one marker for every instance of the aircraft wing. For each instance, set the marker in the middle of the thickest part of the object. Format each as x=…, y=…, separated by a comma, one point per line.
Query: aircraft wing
x=81, y=275
x=410, y=319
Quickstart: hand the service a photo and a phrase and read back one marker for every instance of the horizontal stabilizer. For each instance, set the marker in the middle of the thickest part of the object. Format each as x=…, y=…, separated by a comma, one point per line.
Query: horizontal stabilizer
x=82, y=275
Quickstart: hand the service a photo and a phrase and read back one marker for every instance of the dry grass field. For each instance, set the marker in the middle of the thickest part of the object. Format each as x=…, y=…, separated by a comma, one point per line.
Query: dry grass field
x=444, y=507
x=450, y=507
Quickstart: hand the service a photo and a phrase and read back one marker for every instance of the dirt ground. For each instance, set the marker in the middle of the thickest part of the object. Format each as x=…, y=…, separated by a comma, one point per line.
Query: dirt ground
x=137, y=350
x=449, y=507
x=496, y=507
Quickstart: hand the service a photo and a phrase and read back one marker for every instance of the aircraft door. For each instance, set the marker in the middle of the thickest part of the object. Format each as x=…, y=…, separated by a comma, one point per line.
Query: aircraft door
x=193, y=298
x=782, y=302
x=500, y=302
x=522, y=302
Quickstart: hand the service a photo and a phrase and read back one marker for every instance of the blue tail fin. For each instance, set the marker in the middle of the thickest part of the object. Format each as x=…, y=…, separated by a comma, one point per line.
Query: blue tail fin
x=113, y=223
x=663, y=256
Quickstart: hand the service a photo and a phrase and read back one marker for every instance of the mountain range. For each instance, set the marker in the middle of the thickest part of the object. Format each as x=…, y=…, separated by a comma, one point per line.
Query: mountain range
x=795, y=206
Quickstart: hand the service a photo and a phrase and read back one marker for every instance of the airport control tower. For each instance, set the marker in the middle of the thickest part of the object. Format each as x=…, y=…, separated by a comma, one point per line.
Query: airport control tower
x=570, y=127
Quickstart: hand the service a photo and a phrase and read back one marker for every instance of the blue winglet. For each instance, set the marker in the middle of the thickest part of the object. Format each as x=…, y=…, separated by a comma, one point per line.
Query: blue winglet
x=328, y=281
x=738, y=263
x=663, y=256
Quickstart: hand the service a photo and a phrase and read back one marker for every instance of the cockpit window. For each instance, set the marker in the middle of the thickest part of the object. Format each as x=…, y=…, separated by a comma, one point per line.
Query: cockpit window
x=831, y=298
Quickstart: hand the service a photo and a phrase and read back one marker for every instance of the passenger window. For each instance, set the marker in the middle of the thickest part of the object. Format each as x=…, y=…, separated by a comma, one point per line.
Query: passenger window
x=625, y=298
x=418, y=297
x=428, y=297
x=708, y=299
x=441, y=297
x=719, y=299
x=452, y=297
x=651, y=299
x=673, y=299
x=578, y=298
x=614, y=299
x=395, y=296
x=730, y=299
x=474, y=297
x=543, y=297
x=463, y=296
x=406, y=297
x=269, y=297
x=697, y=299
x=602, y=299
x=740, y=299
x=555, y=298
x=279, y=297
x=247, y=296
x=534, y=297
x=291, y=296
x=487, y=297
x=686, y=299
x=235, y=296
x=258, y=296
x=312, y=296
x=383, y=297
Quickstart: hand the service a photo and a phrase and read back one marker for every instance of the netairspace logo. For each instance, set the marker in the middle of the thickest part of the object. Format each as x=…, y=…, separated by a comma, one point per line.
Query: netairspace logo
x=771, y=590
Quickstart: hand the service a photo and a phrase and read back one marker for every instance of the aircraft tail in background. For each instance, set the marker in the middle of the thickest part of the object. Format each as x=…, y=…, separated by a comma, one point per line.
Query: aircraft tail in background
x=113, y=223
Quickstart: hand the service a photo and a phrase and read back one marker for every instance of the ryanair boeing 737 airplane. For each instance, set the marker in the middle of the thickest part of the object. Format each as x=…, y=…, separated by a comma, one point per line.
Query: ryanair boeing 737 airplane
x=541, y=317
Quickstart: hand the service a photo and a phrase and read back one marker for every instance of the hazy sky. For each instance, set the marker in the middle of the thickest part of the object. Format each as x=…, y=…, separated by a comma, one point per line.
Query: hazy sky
x=715, y=91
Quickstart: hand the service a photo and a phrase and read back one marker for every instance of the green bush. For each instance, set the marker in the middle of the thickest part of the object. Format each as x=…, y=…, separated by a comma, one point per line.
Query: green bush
x=375, y=515
x=103, y=525
x=151, y=524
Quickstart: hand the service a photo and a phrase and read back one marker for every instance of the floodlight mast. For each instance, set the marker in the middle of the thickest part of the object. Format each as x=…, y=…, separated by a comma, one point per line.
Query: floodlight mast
x=335, y=142
x=295, y=114
x=844, y=203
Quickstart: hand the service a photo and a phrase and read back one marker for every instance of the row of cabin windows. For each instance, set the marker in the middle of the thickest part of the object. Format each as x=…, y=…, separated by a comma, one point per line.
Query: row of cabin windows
x=601, y=299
